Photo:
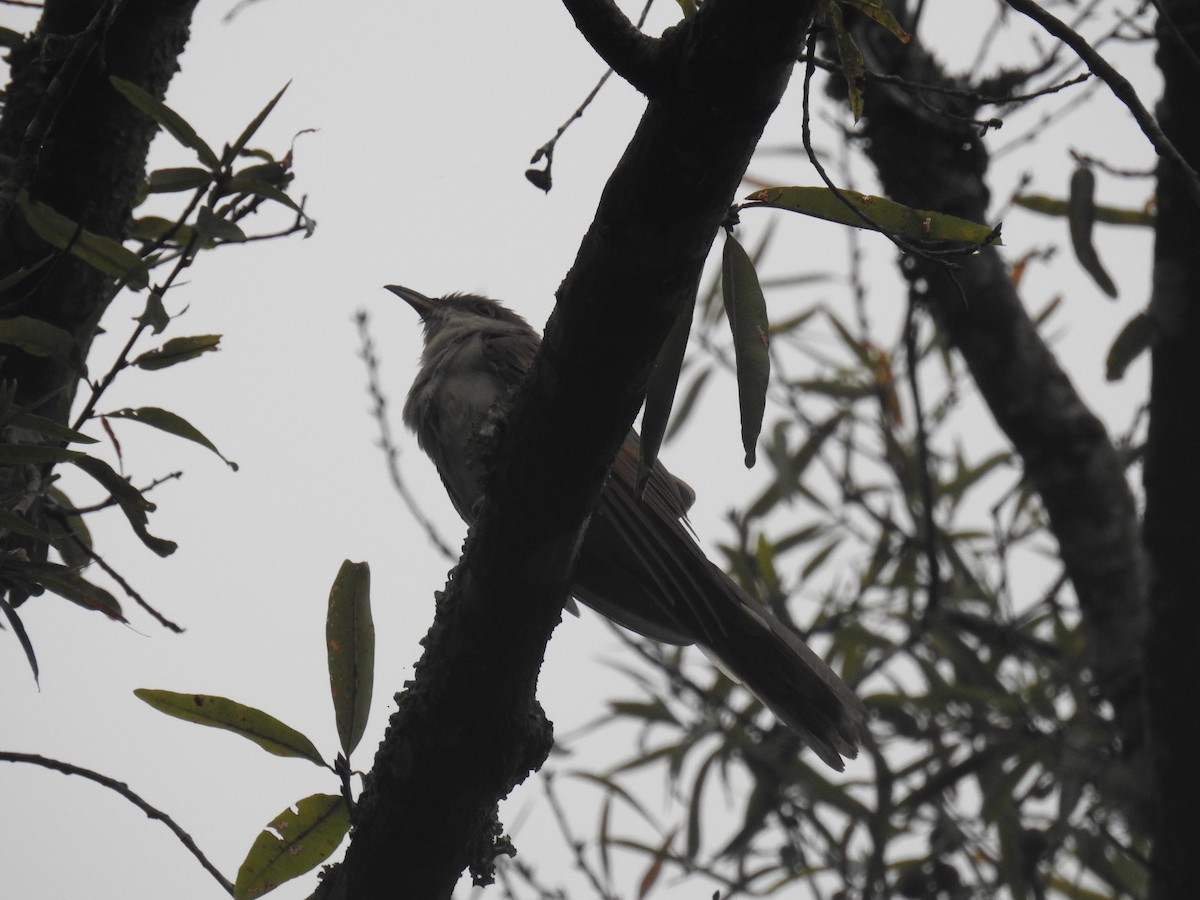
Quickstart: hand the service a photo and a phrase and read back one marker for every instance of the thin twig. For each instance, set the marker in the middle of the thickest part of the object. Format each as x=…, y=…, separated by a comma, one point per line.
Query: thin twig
x=1118, y=84
x=122, y=789
x=387, y=444
x=926, y=481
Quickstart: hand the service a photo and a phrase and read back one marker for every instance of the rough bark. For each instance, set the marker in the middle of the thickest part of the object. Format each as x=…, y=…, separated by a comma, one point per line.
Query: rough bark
x=79, y=146
x=930, y=160
x=1172, y=476
x=468, y=728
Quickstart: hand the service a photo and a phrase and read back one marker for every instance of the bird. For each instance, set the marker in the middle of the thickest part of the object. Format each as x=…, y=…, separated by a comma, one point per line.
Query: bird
x=638, y=563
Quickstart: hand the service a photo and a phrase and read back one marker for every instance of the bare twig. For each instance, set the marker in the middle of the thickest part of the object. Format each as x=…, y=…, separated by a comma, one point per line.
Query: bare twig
x=113, y=785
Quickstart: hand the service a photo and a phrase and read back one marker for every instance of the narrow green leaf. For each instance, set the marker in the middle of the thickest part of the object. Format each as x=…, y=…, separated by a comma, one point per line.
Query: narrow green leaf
x=174, y=123
x=101, y=253
x=49, y=429
x=874, y=10
x=18, y=628
x=155, y=314
x=1081, y=217
x=298, y=839
x=210, y=224
x=177, y=350
x=129, y=498
x=14, y=278
x=16, y=524
x=350, y=643
x=165, y=420
x=69, y=585
x=39, y=338
x=690, y=396
x=35, y=454
x=893, y=217
x=157, y=228
x=261, y=189
x=660, y=393
x=256, y=123
x=1136, y=337
x=746, y=309
x=853, y=68
x=1109, y=215
x=220, y=712
x=185, y=178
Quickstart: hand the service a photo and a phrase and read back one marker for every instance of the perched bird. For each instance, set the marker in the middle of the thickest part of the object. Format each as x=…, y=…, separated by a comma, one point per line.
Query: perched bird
x=638, y=565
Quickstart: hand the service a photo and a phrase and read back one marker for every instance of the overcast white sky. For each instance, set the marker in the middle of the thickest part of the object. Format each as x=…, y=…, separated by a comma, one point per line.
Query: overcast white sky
x=426, y=116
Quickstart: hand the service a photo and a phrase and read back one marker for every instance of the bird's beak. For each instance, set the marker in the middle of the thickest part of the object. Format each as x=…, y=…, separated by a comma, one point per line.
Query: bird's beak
x=418, y=301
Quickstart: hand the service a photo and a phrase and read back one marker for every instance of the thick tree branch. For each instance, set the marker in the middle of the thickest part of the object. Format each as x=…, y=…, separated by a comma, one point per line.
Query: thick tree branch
x=468, y=728
x=934, y=162
x=632, y=55
x=1172, y=476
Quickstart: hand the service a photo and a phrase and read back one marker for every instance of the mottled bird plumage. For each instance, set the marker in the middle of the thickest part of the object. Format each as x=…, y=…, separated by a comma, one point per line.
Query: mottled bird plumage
x=638, y=564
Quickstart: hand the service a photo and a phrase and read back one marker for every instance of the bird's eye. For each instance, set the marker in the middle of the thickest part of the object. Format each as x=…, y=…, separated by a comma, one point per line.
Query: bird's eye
x=486, y=309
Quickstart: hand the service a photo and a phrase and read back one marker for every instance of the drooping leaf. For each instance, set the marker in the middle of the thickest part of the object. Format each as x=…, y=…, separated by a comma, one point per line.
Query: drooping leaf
x=297, y=840
x=1109, y=215
x=1081, y=218
x=157, y=228
x=220, y=712
x=130, y=499
x=39, y=338
x=14, y=278
x=350, y=643
x=70, y=585
x=875, y=11
x=262, y=189
x=165, y=420
x=851, y=58
x=746, y=308
x=175, y=124
x=210, y=224
x=18, y=628
x=177, y=350
x=1134, y=338
x=49, y=429
x=101, y=253
x=660, y=394
x=893, y=217
x=184, y=178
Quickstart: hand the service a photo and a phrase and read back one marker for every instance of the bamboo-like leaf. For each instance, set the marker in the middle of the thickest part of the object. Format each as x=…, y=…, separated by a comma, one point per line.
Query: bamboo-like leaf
x=174, y=123
x=660, y=394
x=14, y=278
x=39, y=338
x=853, y=68
x=101, y=253
x=165, y=420
x=210, y=224
x=895, y=218
x=252, y=128
x=49, y=429
x=185, y=178
x=1081, y=217
x=1136, y=337
x=297, y=840
x=746, y=309
x=220, y=712
x=177, y=350
x=18, y=628
x=1109, y=215
x=130, y=499
x=874, y=10
x=70, y=585
x=262, y=189
x=350, y=643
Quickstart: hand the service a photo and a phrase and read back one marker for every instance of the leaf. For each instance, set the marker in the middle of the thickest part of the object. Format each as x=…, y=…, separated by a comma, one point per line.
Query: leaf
x=129, y=498
x=39, y=338
x=14, y=278
x=18, y=628
x=165, y=420
x=1081, y=217
x=157, y=228
x=174, y=123
x=297, y=840
x=874, y=10
x=350, y=643
x=49, y=429
x=155, y=314
x=746, y=308
x=895, y=218
x=35, y=454
x=220, y=712
x=1137, y=336
x=261, y=189
x=177, y=350
x=185, y=178
x=1109, y=215
x=69, y=585
x=101, y=253
x=256, y=123
x=210, y=224
x=660, y=394
x=853, y=69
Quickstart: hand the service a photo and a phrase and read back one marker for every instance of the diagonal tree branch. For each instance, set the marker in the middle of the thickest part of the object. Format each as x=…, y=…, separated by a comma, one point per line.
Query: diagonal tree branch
x=468, y=728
